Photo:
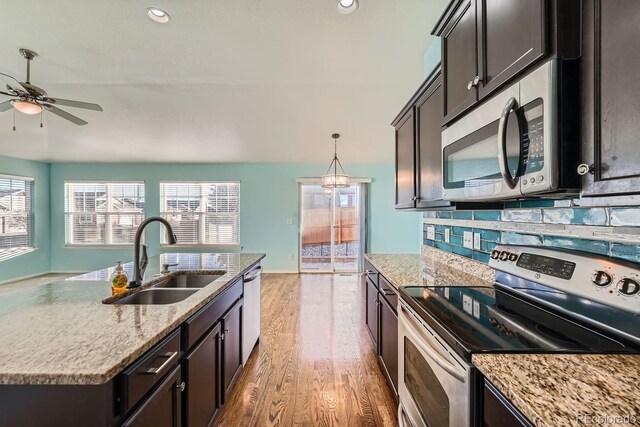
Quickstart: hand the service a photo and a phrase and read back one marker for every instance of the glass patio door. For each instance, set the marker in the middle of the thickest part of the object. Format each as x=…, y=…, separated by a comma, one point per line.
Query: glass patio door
x=331, y=232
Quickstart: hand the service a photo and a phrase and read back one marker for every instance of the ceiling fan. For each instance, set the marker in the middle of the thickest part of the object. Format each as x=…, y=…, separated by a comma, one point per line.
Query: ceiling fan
x=31, y=99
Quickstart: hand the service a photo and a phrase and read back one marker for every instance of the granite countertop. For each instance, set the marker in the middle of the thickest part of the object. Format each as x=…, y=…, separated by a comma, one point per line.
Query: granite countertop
x=398, y=269
x=559, y=390
x=431, y=268
x=62, y=333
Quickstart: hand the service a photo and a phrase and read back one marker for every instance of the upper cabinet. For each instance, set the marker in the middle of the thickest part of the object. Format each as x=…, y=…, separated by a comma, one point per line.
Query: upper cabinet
x=419, y=147
x=459, y=61
x=610, y=98
x=486, y=43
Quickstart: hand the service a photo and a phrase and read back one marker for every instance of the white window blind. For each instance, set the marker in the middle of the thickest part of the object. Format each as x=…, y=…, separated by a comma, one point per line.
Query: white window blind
x=202, y=213
x=103, y=213
x=16, y=215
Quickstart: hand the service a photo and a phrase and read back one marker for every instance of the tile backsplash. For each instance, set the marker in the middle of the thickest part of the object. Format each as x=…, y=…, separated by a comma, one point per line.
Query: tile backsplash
x=609, y=231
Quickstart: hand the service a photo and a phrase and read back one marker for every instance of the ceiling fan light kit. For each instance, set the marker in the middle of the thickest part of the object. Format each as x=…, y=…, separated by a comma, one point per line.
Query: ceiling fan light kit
x=30, y=99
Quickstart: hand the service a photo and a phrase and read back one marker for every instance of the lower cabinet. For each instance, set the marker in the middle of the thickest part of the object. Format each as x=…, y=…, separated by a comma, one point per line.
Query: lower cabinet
x=232, y=344
x=388, y=343
x=498, y=411
x=372, y=310
x=163, y=407
x=202, y=373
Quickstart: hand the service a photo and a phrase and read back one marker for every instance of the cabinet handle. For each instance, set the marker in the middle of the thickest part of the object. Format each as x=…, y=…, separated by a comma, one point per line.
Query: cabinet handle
x=470, y=85
x=171, y=357
x=221, y=337
x=181, y=386
x=476, y=80
x=584, y=169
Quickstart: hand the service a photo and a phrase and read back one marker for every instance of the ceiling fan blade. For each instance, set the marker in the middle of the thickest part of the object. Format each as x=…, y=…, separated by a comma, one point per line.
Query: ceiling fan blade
x=13, y=84
x=64, y=115
x=5, y=93
x=76, y=104
x=6, y=105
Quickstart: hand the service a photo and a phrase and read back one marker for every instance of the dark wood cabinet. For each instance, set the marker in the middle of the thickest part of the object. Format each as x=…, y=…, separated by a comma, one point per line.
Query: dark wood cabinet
x=232, y=347
x=610, y=106
x=497, y=411
x=511, y=36
x=488, y=43
x=163, y=407
x=459, y=60
x=371, y=318
x=405, y=161
x=202, y=378
x=429, y=146
x=389, y=341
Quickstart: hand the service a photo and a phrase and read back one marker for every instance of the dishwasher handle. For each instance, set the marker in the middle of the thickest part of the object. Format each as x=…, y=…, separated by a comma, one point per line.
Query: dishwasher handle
x=251, y=277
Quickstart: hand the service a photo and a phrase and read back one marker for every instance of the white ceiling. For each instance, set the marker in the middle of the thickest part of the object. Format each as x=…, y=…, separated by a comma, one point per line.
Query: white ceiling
x=224, y=81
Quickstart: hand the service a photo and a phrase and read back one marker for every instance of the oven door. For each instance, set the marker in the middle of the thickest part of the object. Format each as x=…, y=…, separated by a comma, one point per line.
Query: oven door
x=434, y=384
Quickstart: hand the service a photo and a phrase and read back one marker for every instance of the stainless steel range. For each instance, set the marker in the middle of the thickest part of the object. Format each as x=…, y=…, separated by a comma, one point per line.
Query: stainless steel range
x=543, y=301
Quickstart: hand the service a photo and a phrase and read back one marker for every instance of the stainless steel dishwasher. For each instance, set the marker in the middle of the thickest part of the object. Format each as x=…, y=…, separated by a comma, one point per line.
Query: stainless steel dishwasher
x=251, y=321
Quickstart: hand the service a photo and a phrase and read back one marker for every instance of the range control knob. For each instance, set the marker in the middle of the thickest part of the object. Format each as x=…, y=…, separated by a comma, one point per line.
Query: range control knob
x=513, y=257
x=628, y=286
x=495, y=254
x=504, y=256
x=601, y=278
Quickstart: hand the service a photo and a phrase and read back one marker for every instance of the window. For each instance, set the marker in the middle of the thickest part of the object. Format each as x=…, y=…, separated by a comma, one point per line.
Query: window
x=202, y=213
x=16, y=215
x=103, y=213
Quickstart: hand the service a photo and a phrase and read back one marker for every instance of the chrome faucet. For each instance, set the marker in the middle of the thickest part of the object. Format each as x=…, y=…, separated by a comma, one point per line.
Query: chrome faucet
x=140, y=265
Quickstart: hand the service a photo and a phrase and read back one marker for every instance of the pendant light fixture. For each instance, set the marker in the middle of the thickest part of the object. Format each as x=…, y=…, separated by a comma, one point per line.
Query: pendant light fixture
x=333, y=179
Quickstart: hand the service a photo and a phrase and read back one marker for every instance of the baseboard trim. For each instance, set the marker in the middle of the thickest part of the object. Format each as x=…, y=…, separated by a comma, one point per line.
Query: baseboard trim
x=27, y=277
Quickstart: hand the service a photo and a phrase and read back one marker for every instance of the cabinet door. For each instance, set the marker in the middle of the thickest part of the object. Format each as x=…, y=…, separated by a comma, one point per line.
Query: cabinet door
x=610, y=97
x=163, y=407
x=389, y=343
x=372, y=312
x=202, y=372
x=511, y=36
x=232, y=347
x=498, y=411
x=459, y=53
x=405, y=162
x=429, y=114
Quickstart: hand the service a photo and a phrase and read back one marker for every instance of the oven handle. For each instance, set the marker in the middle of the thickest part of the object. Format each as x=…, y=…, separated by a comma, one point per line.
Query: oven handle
x=442, y=362
x=503, y=159
x=403, y=418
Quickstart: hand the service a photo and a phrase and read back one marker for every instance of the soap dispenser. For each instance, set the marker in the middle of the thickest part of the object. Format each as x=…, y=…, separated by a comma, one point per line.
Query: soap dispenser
x=119, y=278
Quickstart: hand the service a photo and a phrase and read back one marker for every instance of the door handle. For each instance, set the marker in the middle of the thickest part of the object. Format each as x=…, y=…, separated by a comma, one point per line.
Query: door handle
x=503, y=159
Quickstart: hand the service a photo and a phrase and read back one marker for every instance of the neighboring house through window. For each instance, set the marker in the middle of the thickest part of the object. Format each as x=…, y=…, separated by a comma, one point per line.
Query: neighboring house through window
x=16, y=215
x=202, y=213
x=103, y=213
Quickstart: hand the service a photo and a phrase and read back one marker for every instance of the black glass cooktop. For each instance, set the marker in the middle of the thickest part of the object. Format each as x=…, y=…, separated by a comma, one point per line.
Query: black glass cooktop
x=487, y=319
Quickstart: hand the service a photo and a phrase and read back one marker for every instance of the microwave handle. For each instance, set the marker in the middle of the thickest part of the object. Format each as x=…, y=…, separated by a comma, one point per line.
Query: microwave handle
x=503, y=160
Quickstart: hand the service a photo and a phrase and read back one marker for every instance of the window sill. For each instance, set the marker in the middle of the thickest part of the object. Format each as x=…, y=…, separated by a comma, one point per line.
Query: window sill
x=217, y=247
x=130, y=246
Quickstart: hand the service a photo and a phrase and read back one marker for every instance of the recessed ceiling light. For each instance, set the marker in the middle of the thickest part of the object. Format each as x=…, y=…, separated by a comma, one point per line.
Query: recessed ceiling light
x=347, y=6
x=158, y=15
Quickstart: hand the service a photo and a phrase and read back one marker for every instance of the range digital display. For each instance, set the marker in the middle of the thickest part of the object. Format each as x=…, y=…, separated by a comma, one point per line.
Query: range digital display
x=547, y=265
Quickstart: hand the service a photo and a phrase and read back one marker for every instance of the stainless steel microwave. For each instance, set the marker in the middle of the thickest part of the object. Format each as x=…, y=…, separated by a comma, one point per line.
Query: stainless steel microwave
x=523, y=142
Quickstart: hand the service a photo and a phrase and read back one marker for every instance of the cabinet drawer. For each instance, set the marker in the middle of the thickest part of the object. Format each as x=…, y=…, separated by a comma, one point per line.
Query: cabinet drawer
x=149, y=369
x=197, y=325
x=371, y=272
x=389, y=293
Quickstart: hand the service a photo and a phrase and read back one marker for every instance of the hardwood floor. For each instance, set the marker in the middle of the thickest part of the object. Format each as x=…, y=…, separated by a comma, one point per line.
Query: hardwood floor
x=315, y=365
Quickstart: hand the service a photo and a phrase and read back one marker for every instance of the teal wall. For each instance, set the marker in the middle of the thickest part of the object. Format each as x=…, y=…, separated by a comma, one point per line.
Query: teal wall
x=269, y=196
x=432, y=56
x=37, y=261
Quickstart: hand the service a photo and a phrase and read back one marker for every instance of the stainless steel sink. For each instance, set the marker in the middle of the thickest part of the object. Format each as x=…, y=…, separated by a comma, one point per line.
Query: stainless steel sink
x=155, y=296
x=189, y=280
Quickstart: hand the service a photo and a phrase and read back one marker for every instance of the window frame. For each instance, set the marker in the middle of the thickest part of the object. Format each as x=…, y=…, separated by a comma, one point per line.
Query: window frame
x=97, y=181
x=12, y=252
x=214, y=246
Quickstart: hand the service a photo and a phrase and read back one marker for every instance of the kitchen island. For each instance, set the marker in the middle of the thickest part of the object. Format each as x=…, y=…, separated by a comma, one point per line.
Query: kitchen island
x=67, y=333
